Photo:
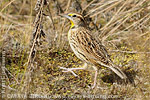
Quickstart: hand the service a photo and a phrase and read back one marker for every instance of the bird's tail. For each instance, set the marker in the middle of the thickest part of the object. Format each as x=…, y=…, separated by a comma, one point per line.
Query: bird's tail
x=118, y=71
x=115, y=69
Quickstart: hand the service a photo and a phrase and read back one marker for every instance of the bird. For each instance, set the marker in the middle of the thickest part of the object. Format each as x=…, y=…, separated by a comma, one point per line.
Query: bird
x=87, y=48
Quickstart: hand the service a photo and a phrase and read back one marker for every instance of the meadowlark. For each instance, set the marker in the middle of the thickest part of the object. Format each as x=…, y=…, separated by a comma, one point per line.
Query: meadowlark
x=87, y=48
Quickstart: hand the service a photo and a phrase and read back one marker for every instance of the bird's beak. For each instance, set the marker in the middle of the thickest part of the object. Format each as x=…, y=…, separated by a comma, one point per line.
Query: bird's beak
x=68, y=17
x=65, y=15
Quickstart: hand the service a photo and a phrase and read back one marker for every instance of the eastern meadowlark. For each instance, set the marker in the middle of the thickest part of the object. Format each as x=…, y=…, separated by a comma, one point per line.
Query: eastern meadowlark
x=87, y=48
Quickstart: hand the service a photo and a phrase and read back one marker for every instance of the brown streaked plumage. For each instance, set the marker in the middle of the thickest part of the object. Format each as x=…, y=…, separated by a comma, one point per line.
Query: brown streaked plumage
x=87, y=48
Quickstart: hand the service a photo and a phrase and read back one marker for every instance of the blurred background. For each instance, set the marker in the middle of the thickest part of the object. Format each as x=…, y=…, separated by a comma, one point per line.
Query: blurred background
x=123, y=26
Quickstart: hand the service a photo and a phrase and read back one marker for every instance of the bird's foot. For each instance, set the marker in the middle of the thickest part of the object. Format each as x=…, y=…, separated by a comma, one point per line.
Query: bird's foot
x=69, y=70
x=95, y=81
x=93, y=86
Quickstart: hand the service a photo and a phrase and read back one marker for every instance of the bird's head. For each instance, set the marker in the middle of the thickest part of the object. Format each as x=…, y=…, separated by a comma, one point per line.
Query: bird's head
x=75, y=19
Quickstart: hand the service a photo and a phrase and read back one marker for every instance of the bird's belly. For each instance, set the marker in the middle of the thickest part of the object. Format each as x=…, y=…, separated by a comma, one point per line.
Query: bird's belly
x=78, y=53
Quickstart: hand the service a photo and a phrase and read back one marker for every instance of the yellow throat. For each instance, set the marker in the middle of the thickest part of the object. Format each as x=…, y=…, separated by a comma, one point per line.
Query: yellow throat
x=72, y=24
x=69, y=32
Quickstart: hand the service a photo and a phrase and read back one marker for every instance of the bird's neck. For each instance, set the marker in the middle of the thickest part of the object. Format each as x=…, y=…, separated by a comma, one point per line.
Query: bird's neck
x=73, y=25
x=72, y=31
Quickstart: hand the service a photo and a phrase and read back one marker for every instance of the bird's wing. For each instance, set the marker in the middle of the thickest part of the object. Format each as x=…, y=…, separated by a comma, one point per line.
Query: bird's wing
x=92, y=48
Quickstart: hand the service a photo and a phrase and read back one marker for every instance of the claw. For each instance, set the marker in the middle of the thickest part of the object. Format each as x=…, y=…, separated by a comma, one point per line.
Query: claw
x=68, y=70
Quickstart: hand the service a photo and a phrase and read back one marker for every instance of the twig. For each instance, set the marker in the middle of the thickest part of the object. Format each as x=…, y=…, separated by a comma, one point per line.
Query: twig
x=77, y=6
x=68, y=5
x=50, y=16
x=99, y=7
x=131, y=52
x=12, y=75
x=134, y=24
x=59, y=9
x=87, y=6
x=37, y=32
x=24, y=1
x=7, y=5
x=5, y=17
x=60, y=43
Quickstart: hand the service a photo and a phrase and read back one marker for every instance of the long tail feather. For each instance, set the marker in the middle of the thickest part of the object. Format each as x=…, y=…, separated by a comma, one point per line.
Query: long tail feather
x=115, y=69
x=118, y=71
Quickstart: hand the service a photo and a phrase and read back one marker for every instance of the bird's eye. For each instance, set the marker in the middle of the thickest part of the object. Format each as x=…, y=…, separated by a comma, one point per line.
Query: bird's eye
x=74, y=16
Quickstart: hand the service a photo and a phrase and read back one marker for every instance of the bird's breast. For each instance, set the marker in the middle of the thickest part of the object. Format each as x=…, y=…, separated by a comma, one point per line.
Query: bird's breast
x=72, y=34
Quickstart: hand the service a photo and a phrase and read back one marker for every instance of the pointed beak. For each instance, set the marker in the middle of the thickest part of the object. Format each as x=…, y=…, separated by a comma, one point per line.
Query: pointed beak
x=65, y=15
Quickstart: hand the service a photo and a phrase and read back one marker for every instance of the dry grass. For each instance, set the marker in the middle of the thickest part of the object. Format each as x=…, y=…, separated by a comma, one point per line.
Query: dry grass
x=122, y=25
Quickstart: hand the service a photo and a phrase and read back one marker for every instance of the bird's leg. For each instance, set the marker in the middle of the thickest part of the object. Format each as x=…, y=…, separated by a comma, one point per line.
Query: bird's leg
x=72, y=69
x=95, y=77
